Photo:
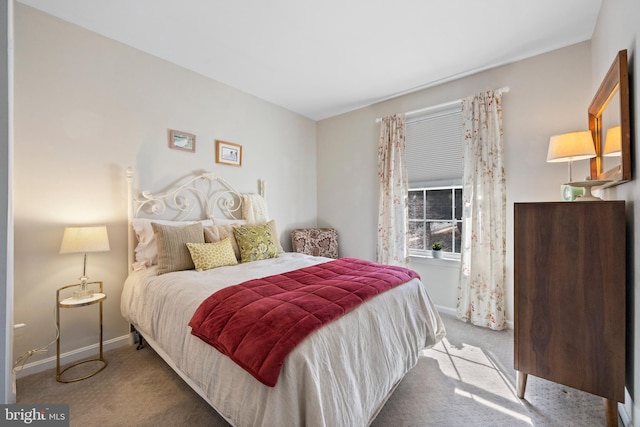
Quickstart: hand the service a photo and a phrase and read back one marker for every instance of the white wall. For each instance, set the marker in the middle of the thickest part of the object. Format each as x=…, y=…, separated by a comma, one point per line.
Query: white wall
x=7, y=392
x=86, y=108
x=618, y=28
x=549, y=94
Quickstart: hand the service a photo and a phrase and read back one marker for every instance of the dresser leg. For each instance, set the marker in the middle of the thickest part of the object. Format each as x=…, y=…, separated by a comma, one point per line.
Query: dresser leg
x=611, y=412
x=521, y=383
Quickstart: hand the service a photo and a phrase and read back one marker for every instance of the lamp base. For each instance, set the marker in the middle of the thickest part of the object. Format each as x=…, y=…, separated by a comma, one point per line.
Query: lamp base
x=84, y=291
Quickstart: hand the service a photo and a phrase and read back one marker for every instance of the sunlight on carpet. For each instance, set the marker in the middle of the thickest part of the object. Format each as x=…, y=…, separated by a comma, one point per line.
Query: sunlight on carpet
x=476, y=371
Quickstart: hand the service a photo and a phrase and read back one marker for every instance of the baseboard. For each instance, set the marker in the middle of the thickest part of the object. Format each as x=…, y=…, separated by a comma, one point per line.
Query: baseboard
x=71, y=356
x=626, y=409
x=453, y=312
x=446, y=310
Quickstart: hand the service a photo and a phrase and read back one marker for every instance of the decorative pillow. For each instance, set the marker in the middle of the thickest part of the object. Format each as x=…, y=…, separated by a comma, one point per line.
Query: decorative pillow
x=224, y=228
x=216, y=233
x=173, y=254
x=274, y=233
x=256, y=242
x=206, y=256
x=146, y=250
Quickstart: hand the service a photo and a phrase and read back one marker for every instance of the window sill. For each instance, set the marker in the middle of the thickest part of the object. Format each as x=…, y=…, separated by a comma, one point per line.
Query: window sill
x=445, y=261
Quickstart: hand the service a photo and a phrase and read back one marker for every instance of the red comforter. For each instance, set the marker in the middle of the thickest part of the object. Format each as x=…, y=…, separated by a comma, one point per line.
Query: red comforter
x=259, y=322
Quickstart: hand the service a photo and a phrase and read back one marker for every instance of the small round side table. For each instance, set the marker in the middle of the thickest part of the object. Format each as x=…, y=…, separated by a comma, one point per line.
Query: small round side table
x=71, y=302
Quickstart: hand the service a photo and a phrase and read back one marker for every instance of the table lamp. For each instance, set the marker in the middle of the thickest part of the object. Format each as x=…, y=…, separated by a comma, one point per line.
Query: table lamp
x=571, y=146
x=84, y=240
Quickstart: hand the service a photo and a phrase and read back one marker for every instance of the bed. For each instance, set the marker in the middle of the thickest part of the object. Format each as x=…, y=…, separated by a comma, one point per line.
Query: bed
x=339, y=375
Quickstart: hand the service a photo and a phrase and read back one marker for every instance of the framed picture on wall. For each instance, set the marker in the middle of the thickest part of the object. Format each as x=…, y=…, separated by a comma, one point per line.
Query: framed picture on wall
x=228, y=153
x=182, y=141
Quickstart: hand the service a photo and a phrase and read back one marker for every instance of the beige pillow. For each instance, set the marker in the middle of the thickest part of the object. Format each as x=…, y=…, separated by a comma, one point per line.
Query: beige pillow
x=274, y=232
x=216, y=233
x=206, y=256
x=173, y=254
x=256, y=242
x=146, y=248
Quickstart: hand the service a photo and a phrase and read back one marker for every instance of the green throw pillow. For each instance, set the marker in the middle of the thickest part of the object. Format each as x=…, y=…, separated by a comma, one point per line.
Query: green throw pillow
x=255, y=242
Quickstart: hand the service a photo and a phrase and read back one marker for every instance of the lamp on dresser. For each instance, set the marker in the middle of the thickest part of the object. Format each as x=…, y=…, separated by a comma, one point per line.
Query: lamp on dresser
x=571, y=146
x=568, y=147
x=84, y=240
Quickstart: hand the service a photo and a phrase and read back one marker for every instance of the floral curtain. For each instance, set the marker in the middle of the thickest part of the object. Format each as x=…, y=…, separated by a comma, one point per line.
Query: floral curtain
x=483, y=254
x=393, y=220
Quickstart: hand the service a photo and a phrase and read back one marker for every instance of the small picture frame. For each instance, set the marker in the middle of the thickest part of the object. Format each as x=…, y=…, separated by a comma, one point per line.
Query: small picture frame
x=182, y=141
x=228, y=153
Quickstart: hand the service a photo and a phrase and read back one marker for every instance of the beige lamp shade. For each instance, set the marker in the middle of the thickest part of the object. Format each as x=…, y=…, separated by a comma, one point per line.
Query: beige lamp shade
x=613, y=142
x=571, y=146
x=84, y=239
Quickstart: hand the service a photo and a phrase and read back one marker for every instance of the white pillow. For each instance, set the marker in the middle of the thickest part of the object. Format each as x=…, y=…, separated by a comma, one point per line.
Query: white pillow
x=147, y=249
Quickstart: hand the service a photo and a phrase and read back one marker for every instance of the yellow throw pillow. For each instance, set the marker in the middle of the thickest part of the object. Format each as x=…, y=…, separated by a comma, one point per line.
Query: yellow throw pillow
x=206, y=256
x=256, y=242
x=216, y=233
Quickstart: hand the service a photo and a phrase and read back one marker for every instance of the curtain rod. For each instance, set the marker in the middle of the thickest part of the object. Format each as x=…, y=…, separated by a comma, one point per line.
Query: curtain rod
x=439, y=106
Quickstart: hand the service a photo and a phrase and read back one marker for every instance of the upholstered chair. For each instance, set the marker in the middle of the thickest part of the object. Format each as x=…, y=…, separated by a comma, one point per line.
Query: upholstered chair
x=315, y=241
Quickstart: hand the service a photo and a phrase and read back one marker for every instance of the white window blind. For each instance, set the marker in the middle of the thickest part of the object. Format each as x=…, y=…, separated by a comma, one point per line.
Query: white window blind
x=434, y=147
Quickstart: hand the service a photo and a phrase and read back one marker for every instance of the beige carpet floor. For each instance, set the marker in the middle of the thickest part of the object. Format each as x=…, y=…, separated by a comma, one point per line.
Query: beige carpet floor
x=466, y=380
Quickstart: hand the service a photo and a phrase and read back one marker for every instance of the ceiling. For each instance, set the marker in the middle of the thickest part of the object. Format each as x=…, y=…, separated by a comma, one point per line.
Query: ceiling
x=323, y=58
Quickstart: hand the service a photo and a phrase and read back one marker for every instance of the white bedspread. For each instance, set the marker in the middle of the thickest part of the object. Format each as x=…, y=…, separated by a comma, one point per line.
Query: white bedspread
x=341, y=375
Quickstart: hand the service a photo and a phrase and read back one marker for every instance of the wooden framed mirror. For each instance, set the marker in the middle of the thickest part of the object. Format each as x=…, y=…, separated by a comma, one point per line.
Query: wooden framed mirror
x=610, y=127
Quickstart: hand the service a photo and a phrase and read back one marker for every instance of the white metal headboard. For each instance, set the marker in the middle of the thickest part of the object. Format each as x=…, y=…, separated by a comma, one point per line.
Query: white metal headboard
x=198, y=196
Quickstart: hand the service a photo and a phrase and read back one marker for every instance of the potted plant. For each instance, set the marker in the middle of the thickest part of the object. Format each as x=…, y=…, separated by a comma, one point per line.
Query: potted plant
x=436, y=250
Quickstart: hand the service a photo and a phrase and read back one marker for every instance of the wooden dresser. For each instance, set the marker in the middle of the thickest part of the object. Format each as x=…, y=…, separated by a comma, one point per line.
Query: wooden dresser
x=569, y=282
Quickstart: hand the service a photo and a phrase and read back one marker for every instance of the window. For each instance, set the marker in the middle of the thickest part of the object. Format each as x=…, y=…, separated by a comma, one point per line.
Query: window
x=435, y=215
x=434, y=167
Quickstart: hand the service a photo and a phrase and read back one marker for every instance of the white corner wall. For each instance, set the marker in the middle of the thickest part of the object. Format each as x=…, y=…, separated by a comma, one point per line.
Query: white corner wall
x=7, y=391
x=549, y=94
x=86, y=108
x=617, y=28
